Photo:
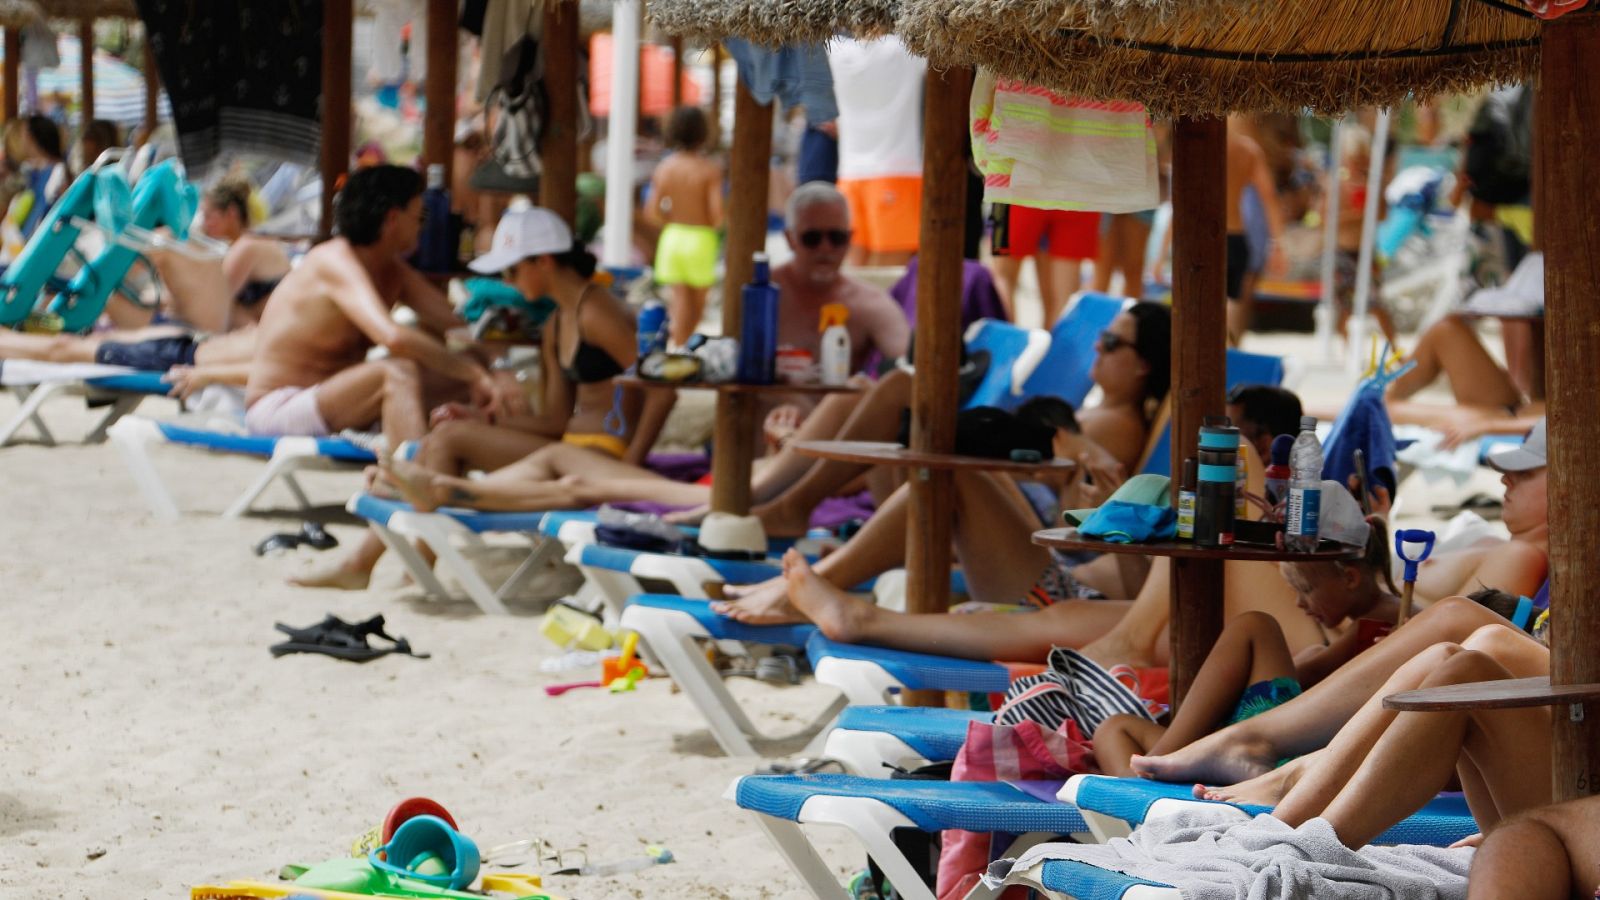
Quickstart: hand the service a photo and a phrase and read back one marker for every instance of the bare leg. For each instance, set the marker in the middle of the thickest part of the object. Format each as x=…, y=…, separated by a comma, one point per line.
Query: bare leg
x=1451, y=348
x=875, y=418
x=686, y=305
x=1121, y=738
x=459, y=447
x=985, y=636
x=1007, y=270
x=1059, y=279
x=1548, y=854
x=56, y=348
x=390, y=389
x=1413, y=760
x=1310, y=720
x=1251, y=650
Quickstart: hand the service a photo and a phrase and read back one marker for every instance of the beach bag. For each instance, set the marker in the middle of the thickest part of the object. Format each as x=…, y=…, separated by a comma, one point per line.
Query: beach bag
x=521, y=105
x=1038, y=734
x=1040, y=149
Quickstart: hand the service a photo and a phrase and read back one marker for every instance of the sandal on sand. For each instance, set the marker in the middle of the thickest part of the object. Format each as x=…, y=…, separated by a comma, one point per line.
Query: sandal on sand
x=804, y=765
x=339, y=639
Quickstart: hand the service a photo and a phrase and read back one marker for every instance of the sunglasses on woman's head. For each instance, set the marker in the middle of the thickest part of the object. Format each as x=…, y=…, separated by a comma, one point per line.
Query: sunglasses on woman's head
x=1111, y=342
x=811, y=240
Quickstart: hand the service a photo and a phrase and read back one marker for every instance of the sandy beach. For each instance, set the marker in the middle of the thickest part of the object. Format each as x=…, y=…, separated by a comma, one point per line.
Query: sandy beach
x=151, y=743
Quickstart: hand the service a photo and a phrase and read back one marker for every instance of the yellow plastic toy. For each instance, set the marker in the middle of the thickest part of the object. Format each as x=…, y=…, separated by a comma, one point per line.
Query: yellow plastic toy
x=565, y=627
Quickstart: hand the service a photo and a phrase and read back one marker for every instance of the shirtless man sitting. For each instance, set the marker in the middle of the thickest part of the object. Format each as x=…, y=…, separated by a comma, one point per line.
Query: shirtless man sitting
x=311, y=375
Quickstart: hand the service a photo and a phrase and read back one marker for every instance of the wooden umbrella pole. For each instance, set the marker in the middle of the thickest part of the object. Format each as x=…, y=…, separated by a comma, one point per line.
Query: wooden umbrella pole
x=439, y=119
x=86, y=69
x=677, y=71
x=935, y=389
x=13, y=74
x=1568, y=118
x=734, y=435
x=714, y=112
x=337, y=29
x=1199, y=341
x=558, y=183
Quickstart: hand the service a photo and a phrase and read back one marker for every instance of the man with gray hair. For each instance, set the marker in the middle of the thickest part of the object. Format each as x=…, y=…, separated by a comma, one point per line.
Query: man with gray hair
x=817, y=224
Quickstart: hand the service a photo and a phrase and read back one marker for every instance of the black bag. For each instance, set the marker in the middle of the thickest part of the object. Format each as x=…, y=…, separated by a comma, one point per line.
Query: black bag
x=992, y=433
x=1499, y=157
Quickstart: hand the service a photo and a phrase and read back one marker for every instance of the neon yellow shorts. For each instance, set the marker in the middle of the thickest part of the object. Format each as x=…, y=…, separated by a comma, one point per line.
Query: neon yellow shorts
x=687, y=254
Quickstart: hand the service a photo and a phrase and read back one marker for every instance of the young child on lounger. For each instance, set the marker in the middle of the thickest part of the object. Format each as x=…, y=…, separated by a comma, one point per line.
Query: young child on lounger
x=1251, y=670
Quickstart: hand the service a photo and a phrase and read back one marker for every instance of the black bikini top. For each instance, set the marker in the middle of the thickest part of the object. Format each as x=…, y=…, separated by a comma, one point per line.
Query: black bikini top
x=254, y=292
x=590, y=364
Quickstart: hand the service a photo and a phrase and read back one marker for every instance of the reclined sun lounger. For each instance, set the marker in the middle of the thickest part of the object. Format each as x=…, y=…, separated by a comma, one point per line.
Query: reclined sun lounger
x=133, y=437
x=35, y=383
x=872, y=808
x=1064, y=370
x=1014, y=354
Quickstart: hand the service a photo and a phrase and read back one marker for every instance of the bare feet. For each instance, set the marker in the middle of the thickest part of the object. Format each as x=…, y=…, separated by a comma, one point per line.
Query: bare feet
x=1265, y=789
x=840, y=616
x=779, y=520
x=414, y=482
x=766, y=603
x=340, y=577
x=1113, y=649
x=1212, y=760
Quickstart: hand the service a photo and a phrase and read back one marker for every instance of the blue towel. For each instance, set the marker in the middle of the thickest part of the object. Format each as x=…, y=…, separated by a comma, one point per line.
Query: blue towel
x=1121, y=522
x=1362, y=425
x=797, y=76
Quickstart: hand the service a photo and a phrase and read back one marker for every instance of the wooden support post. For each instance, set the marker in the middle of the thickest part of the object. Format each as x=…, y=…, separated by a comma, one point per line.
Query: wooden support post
x=1568, y=117
x=439, y=119
x=676, y=43
x=558, y=183
x=734, y=435
x=152, y=90
x=13, y=74
x=86, y=70
x=337, y=29
x=935, y=389
x=1199, y=341
x=714, y=113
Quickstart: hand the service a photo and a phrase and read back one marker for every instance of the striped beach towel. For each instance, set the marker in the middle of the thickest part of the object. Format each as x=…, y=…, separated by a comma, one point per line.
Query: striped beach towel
x=1074, y=688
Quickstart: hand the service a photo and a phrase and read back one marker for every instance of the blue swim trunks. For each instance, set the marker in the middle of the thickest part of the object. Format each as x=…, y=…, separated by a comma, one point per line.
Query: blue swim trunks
x=1264, y=695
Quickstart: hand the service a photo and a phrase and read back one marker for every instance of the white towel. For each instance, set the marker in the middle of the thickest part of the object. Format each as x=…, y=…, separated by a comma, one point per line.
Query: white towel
x=1259, y=859
x=29, y=372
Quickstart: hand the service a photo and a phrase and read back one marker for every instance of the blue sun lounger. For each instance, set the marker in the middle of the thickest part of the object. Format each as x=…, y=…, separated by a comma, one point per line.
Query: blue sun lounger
x=133, y=437
x=121, y=393
x=1064, y=370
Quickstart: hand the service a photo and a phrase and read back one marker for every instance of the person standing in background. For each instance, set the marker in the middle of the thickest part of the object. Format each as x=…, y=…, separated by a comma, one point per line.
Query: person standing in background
x=878, y=86
x=686, y=200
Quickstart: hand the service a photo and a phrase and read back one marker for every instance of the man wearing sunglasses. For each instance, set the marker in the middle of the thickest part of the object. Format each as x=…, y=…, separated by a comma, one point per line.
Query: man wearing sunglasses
x=817, y=225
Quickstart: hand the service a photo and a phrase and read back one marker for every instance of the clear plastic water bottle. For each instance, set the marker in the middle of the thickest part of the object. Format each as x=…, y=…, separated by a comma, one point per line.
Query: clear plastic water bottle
x=1305, y=489
x=652, y=325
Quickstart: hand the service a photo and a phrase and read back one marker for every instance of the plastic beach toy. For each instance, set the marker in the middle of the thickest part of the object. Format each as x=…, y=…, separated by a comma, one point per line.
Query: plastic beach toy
x=1401, y=539
x=427, y=849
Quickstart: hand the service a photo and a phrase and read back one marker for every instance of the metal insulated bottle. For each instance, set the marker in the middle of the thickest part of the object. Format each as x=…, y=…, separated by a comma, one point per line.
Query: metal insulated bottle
x=1214, y=487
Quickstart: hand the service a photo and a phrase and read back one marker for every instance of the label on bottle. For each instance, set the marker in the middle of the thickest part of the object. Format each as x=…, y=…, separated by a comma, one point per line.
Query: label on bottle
x=1186, y=515
x=1300, y=518
x=1241, y=479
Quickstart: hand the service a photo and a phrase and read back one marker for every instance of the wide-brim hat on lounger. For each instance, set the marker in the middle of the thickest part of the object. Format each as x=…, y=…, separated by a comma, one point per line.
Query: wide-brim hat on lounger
x=1526, y=458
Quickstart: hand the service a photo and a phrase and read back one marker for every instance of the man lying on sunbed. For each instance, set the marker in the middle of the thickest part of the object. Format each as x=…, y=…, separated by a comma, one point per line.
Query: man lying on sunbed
x=311, y=375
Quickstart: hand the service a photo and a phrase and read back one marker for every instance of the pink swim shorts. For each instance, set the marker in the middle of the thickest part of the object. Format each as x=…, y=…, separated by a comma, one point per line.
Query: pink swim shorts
x=286, y=411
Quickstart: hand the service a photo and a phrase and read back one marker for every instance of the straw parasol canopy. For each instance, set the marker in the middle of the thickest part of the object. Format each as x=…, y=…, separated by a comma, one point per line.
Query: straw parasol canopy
x=90, y=9
x=774, y=22
x=1196, y=58
x=19, y=13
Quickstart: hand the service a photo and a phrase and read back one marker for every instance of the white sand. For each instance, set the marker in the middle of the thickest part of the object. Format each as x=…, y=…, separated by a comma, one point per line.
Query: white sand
x=150, y=743
x=148, y=726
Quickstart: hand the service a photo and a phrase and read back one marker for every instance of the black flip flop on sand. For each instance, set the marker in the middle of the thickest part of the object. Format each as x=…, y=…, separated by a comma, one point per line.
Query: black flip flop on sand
x=342, y=640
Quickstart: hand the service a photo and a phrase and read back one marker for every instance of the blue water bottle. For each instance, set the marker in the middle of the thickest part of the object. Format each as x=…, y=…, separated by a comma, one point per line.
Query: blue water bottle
x=758, y=332
x=652, y=328
x=436, y=246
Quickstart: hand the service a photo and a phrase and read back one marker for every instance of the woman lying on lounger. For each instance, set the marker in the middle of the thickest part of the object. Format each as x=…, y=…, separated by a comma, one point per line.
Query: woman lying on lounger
x=200, y=297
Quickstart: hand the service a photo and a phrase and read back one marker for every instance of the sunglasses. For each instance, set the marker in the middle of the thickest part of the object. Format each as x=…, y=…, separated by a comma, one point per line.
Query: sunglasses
x=1111, y=342
x=811, y=240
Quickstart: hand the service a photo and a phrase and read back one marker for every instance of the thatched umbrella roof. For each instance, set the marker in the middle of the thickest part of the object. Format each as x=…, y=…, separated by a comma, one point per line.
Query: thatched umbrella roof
x=1192, y=58
x=19, y=13
x=90, y=9
x=773, y=22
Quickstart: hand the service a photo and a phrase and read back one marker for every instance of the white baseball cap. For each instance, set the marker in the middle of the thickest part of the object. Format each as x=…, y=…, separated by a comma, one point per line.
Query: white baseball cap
x=522, y=233
x=1531, y=455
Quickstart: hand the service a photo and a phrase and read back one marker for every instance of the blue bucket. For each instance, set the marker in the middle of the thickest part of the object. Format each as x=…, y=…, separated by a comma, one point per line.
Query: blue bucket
x=422, y=838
